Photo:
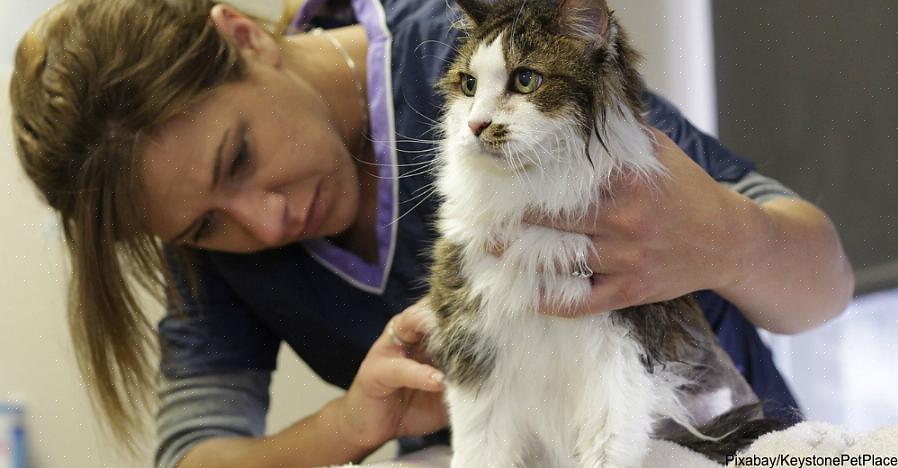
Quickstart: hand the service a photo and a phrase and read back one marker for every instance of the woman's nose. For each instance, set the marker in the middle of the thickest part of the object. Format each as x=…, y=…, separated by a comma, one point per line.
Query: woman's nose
x=261, y=214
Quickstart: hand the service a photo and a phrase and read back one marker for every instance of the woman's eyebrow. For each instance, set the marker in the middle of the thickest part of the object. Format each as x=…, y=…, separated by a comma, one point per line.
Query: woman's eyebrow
x=216, y=175
x=216, y=168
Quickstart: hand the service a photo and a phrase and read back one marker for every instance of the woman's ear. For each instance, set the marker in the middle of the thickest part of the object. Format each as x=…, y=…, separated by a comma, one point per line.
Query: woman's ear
x=251, y=39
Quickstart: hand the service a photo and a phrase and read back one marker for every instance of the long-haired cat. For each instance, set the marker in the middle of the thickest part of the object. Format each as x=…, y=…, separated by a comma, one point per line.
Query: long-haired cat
x=542, y=104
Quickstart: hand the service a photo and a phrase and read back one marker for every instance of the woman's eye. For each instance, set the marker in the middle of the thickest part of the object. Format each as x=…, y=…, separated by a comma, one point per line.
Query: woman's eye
x=527, y=81
x=468, y=84
x=240, y=159
x=206, y=224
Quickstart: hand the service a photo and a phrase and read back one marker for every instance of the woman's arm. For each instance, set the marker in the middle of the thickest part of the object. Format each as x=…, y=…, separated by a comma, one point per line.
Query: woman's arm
x=217, y=420
x=795, y=275
x=316, y=440
x=394, y=394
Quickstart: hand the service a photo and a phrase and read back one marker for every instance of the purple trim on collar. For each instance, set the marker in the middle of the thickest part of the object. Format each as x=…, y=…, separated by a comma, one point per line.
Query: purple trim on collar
x=305, y=14
x=370, y=276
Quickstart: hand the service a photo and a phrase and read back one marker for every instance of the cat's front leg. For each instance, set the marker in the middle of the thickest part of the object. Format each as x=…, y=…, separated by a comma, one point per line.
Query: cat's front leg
x=485, y=433
x=617, y=434
x=618, y=413
x=550, y=255
x=625, y=449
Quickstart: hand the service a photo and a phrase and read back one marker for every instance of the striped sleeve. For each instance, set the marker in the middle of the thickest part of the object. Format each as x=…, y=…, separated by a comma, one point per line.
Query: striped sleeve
x=760, y=188
x=194, y=409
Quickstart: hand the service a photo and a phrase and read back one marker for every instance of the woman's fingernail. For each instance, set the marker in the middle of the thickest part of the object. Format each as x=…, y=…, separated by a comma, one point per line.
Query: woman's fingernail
x=437, y=376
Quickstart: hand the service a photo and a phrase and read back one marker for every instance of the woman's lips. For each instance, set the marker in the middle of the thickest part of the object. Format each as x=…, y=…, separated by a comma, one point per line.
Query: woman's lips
x=314, y=214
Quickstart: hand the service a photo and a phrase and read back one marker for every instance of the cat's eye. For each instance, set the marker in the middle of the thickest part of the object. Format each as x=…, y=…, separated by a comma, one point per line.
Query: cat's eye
x=526, y=81
x=468, y=84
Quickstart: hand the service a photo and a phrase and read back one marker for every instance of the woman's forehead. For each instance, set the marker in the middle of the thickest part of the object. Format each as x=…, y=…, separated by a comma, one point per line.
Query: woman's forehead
x=188, y=138
x=176, y=165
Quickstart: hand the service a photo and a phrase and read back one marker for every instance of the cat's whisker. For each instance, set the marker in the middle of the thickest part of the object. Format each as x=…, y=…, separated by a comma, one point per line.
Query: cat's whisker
x=511, y=157
x=407, y=139
x=423, y=187
x=448, y=46
x=562, y=146
x=415, y=164
x=441, y=59
x=526, y=173
x=430, y=190
x=416, y=152
x=413, y=173
x=518, y=166
x=435, y=123
x=404, y=176
x=427, y=196
x=543, y=150
x=418, y=171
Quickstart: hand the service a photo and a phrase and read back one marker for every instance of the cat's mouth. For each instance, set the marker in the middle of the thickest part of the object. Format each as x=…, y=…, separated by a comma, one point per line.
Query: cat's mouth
x=503, y=154
x=492, y=146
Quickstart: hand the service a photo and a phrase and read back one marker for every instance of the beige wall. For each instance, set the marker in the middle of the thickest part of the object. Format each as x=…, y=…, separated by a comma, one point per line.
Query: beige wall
x=676, y=39
x=36, y=364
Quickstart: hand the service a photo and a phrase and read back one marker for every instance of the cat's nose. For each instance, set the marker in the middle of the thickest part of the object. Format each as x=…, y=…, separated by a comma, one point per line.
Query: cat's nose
x=478, y=126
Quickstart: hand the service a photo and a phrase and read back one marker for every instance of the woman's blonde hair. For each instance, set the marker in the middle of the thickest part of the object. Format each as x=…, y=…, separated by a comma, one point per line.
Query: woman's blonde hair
x=93, y=80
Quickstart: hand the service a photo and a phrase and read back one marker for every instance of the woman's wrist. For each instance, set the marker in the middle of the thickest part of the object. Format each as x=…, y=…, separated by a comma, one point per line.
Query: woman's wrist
x=752, y=240
x=318, y=439
x=338, y=415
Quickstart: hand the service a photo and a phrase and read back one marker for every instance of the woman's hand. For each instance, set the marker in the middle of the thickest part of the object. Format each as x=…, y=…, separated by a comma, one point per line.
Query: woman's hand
x=397, y=392
x=662, y=238
x=392, y=395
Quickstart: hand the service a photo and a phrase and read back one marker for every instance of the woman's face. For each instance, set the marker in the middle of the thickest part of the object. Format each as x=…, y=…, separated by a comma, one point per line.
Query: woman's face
x=258, y=164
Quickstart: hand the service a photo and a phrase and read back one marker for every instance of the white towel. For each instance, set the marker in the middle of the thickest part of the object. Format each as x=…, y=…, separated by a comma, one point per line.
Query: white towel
x=802, y=440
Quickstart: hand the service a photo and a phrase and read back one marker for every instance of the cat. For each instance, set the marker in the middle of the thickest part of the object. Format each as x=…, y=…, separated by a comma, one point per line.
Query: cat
x=542, y=104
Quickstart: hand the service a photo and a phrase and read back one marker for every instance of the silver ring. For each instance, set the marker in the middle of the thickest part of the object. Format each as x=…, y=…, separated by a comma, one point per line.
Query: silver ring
x=581, y=269
x=395, y=338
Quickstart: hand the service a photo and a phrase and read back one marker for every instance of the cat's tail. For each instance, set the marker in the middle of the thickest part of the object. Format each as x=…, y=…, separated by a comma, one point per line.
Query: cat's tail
x=728, y=433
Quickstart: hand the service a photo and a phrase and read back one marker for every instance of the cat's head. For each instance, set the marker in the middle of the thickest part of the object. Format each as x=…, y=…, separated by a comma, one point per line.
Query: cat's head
x=534, y=79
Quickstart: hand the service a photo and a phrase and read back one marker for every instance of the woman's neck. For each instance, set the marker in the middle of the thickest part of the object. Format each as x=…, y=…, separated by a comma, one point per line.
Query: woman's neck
x=361, y=237
x=316, y=60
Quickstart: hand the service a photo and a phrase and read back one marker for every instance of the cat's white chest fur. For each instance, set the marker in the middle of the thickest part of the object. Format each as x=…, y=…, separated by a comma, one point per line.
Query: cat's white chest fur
x=558, y=387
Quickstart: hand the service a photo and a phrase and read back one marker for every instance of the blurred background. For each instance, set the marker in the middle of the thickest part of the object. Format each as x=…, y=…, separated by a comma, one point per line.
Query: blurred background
x=807, y=89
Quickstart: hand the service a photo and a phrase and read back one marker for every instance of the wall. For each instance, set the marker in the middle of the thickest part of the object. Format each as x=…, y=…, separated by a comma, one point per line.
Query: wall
x=808, y=89
x=675, y=37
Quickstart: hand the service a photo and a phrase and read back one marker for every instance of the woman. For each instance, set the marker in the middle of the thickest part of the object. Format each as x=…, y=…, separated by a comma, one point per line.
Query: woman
x=287, y=182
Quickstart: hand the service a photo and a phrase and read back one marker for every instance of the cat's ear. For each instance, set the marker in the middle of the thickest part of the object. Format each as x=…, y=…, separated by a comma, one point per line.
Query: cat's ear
x=476, y=10
x=584, y=20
